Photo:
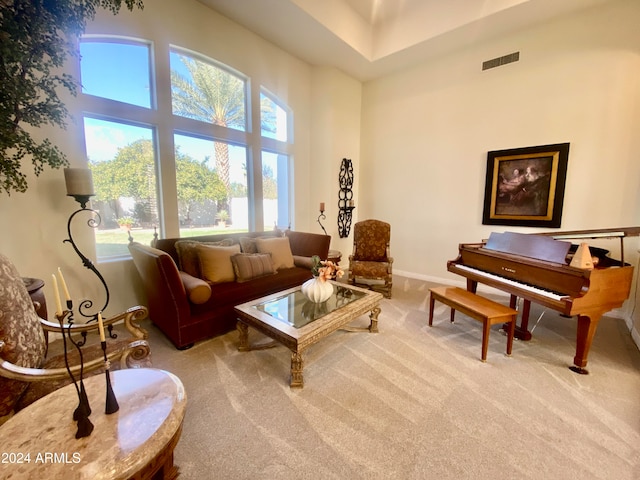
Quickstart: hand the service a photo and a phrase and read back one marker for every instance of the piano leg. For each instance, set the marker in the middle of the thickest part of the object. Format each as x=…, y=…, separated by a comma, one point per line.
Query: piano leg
x=522, y=331
x=587, y=326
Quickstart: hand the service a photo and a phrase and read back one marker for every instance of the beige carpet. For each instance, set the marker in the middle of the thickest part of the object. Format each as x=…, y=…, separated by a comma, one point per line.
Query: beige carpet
x=412, y=402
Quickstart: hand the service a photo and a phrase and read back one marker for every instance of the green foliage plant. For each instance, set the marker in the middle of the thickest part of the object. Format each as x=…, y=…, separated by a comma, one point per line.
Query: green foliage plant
x=223, y=215
x=131, y=173
x=36, y=37
x=126, y=222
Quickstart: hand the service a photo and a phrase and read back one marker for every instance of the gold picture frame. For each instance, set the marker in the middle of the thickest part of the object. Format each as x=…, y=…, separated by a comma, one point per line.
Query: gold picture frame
x=525, y=186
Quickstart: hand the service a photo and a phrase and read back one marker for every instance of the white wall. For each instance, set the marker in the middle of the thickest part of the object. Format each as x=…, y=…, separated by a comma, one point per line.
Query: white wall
x=335, y=127
x=426, y=132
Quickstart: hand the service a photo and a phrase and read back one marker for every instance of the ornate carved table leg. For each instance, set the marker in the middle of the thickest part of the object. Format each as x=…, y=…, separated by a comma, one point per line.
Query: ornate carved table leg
x=297, y=364
x=373, y=326
x=243, y=331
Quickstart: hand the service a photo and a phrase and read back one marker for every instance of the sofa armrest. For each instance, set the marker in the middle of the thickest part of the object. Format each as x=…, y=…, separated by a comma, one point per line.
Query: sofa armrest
x=304, y=244
x=166, y=294
x=198, y=291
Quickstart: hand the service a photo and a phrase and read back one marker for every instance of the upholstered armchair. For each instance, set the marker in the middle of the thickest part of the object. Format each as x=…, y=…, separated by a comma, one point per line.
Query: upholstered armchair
x=371, y=263
x=25, y=373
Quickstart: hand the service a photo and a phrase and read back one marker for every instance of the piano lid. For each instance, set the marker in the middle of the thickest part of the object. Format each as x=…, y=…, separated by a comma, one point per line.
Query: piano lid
x=621, y=232
x=601, y=233
x=532, y=246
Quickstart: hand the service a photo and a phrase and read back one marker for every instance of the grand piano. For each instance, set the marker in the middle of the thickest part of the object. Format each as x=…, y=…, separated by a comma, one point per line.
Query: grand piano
x=536, y=268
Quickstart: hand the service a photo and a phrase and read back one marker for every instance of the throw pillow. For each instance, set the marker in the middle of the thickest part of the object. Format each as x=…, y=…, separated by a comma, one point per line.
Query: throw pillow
x=252, y=265
x=188, y=256
x=248, y=245
x=215, y=262
x=198, y=291
x=279, y=249
x=303, y=262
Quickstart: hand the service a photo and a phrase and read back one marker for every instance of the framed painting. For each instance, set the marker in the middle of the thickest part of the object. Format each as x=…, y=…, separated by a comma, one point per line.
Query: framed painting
x=525, y=186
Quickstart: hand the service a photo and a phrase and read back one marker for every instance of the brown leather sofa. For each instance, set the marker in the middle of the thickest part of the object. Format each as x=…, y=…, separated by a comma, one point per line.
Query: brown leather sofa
x=173, y=296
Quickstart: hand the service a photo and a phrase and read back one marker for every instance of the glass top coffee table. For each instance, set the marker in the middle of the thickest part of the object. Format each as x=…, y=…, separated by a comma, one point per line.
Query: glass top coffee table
x=295, y=322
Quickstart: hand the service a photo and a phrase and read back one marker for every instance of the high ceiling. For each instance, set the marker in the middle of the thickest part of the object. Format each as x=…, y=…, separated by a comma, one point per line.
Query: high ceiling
x=371, y=38
x=376, y=11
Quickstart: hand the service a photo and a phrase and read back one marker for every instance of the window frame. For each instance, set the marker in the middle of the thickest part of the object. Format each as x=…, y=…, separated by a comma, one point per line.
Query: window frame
x=165, y=124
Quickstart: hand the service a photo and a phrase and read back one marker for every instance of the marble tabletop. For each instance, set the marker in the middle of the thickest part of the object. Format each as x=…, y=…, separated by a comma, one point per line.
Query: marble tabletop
x=39, y=441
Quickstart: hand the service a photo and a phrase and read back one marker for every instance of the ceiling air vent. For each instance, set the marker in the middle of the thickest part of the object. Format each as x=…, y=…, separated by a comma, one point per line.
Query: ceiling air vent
x=498, y=62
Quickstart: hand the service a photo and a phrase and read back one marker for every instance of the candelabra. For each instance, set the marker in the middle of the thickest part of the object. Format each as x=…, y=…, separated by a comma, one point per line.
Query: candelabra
x=83, y=410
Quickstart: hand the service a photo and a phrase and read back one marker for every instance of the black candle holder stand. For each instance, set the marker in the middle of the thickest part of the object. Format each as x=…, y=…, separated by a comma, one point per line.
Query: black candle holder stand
x=94, y=221
x=111, y=403
x=323, y=217
x=83, y=410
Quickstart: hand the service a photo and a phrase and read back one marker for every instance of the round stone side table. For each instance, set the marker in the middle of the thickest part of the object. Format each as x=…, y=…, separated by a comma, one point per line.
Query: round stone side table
x=136, y=442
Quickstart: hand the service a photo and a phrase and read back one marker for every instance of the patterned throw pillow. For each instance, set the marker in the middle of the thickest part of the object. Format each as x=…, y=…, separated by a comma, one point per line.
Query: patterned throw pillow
x=188, y=256
x=252, y=265
x=248, y=245
x=215, y=262
x=280, y=251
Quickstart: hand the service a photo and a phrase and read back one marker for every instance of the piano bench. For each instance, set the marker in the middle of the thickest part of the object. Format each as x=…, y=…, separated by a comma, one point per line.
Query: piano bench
x=478, y=308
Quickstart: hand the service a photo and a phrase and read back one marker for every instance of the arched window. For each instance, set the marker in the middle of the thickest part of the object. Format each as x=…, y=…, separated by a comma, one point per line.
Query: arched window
x=203, y=136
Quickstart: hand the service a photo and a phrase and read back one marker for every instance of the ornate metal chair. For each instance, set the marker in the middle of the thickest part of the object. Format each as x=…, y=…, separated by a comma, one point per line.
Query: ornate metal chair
x=371, y=261
x=25, y=373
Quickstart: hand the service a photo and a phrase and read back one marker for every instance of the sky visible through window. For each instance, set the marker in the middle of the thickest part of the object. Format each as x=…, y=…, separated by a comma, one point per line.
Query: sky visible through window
x=121, y=72
x=277, y=115
x=104, y=138
x=108, y=67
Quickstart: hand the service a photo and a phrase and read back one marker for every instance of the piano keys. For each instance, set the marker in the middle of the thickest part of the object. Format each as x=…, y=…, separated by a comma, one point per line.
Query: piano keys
x=535, y=267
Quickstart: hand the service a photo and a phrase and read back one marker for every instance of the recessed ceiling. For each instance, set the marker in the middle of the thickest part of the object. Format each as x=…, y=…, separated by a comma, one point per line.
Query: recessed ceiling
x=377, y=11
x=371, y=38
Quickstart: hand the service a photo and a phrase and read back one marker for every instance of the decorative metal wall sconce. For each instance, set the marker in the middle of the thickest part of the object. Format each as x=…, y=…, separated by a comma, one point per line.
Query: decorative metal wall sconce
x=345, y=198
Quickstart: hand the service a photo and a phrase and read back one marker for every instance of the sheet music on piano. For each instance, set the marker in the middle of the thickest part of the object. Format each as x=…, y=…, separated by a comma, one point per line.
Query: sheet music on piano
x=535, y=267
